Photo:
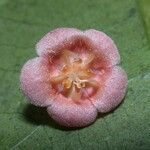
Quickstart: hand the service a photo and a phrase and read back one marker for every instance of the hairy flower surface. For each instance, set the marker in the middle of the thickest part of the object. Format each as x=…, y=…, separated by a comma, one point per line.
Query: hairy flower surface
x=76, y=75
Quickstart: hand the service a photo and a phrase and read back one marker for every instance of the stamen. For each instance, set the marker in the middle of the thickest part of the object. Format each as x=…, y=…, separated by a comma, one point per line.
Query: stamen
x=57, y=79
x=74, y=94
x=89, y=59
x=67, y=83
x=75, y=75
x=66, y=56
x=93, y=83
x=80, y=83
x=85, y=74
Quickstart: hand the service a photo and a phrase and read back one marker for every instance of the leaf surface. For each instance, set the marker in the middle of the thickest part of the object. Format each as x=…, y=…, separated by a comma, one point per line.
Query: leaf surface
x=23, y=23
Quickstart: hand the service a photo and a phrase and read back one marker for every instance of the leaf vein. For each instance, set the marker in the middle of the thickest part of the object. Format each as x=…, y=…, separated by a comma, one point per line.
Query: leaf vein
x=25, y=138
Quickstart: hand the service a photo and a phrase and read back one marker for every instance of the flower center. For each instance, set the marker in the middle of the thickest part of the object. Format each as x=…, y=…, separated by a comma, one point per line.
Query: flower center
x=75, y=75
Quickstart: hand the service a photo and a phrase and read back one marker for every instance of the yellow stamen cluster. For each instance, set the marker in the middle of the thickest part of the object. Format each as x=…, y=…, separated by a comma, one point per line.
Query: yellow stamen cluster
x=75, y=75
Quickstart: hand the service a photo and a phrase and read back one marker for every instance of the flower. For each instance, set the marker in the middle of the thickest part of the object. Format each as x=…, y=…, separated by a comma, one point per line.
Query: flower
x=76, y=75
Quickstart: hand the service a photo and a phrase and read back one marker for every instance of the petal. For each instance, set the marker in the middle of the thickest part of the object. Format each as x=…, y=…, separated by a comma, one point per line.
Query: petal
x=112, y=92
x=55, y=38
x=35, y=82
x=104, y=46
x=72, y=114
x=76, y=40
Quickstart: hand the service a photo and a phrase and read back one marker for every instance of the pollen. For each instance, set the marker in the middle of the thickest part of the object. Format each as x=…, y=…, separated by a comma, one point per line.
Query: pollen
x=75, y=75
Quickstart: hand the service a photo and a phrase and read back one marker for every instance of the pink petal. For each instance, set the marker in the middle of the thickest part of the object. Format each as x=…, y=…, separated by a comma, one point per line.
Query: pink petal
x=55, y=38
x=35, y=82
x=68, y=113
x=104, y=46
x=76, y=40
x=113, y=90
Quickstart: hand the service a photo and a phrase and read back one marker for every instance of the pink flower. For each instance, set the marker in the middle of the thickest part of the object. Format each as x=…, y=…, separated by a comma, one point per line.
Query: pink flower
x=75, y=76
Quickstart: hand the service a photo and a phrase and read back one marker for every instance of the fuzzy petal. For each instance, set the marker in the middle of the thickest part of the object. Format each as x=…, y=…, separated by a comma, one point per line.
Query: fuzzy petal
x=104, y=46
x=35, y=82
x=55, y=38
x=72, y=114
x=112, y=92
x=62, y=38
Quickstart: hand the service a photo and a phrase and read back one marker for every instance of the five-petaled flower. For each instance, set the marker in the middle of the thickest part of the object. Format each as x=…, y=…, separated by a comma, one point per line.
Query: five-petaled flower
x=76, y=75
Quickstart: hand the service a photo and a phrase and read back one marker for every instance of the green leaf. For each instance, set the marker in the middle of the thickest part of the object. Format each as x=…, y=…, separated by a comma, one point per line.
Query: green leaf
x=144, y=7
x=23, y=23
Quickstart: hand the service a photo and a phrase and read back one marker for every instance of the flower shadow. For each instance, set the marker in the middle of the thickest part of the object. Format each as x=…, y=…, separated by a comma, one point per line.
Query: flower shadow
x=39, y=116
